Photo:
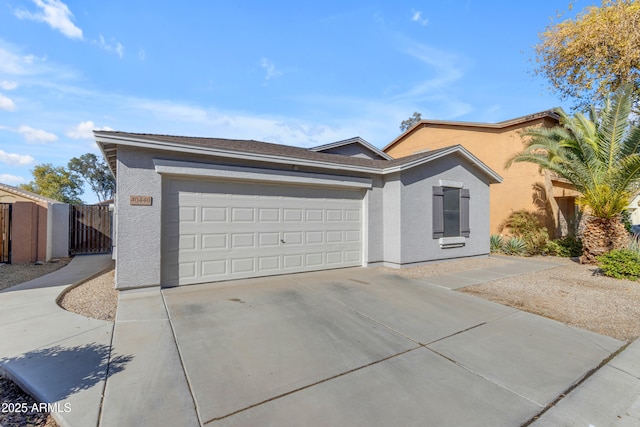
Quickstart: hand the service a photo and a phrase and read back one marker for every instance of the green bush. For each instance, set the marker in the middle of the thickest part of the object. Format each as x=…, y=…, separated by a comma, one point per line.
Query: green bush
x=514, y=246
x=526, y=225
x=621, y=264
x=568, y=246
x=495, y=243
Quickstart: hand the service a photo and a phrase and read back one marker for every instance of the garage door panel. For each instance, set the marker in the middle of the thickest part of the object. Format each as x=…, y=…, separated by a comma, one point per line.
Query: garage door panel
x=269, y=214
x=228, y=230
x=213, y=268
x=292, y=261
x=268, y=263
x=268, y=240
x=242, y=265
x=213, y=241
x=215, y=215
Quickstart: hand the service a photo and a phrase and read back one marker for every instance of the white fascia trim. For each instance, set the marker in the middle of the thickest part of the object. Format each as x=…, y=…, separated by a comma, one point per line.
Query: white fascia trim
x=160, y=145
x=175, y=167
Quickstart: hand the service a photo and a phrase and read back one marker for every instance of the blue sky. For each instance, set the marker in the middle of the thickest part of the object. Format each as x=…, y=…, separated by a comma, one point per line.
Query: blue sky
x=301, y=74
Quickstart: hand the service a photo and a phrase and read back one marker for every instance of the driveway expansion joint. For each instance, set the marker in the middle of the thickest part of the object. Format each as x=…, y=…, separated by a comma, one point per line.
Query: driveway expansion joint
x=181, y=358
x=312, y=385
x=577, y=384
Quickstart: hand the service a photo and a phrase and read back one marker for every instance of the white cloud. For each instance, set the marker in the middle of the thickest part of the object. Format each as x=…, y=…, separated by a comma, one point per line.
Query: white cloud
x=5, y=178
x=417, y=17
x=13, y=62
x=36, y=135
x=113, y=46
x=271, y=71
x=8, y=85
x=84, y=130
x=16, y=159
x=6, y=103
x=56, y=14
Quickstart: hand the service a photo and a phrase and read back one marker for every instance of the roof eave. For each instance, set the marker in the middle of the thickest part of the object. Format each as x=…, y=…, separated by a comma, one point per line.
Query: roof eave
x=185, y=148
x=500, y=125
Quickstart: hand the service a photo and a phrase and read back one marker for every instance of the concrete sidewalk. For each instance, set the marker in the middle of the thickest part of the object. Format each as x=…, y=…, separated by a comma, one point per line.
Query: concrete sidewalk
x=338, y=347
x=57, y=356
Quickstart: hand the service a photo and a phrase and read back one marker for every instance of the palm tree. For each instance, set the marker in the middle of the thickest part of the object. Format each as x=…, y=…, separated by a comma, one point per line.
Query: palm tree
x=600, y=157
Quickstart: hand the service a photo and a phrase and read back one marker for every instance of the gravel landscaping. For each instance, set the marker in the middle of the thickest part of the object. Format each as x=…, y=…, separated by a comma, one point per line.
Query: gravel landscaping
x=96, y=298
x=13, y=274
x=572, y=293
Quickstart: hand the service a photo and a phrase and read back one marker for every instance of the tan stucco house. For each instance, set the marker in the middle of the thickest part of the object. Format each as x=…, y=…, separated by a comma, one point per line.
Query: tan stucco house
x=524, y=185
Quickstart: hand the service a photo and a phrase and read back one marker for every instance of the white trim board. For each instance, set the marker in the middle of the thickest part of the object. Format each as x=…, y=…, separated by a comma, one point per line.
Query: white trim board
x=184, y=168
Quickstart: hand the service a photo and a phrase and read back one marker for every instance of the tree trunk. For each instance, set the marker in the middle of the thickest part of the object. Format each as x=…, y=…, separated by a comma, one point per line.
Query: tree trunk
x=602, y=235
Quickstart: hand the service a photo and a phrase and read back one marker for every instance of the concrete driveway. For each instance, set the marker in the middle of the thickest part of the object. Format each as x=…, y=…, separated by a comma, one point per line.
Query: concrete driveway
x=359, y=348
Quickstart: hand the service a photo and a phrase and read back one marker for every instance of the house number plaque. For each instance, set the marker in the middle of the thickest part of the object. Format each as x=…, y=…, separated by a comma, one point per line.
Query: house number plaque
x=140, y=200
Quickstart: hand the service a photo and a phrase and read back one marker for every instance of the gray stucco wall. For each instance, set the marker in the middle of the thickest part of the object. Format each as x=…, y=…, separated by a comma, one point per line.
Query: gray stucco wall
x=418, y=244
x=392, y=214
x=374, y=221
x=138, y=227
x=354, y=150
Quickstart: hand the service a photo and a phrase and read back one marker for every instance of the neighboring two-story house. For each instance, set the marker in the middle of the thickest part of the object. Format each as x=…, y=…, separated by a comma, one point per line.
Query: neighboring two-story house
x=524, y=185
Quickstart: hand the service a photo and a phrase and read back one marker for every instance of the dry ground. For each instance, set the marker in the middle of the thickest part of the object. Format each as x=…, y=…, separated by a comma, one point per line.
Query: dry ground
x=13, y=274
x=574, y=294
x=571, y=293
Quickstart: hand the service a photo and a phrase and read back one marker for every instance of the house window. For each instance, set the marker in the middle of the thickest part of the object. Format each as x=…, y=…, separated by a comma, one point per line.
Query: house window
x=450, y=212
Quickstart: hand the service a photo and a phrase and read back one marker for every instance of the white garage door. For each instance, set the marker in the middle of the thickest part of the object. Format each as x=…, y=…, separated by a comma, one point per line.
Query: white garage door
x=220, y=230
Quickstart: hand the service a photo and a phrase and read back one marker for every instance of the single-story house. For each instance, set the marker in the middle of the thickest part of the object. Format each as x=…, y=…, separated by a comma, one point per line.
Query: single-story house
x=193, y=210
x=39, y=226
x=524, y=185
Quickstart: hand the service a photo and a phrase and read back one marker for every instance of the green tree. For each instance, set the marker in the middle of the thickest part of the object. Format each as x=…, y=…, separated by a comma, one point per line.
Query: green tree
x=56, y=183
x=406, y=124
x=600, y=157
x=96, y=173
x=594, y=54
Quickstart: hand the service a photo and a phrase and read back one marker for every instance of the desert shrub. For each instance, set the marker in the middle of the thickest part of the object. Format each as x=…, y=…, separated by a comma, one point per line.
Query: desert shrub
x=495, y=243
x=621, y=264
x=526, y=225
x=515, y=246
x=568, y=246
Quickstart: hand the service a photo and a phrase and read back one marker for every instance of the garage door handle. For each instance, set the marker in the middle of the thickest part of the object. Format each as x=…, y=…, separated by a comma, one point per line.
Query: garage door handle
x=282, y=241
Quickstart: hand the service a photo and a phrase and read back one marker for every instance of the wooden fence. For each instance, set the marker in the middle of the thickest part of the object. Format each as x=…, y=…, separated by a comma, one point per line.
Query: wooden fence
x=5, y=232
x=89, y=230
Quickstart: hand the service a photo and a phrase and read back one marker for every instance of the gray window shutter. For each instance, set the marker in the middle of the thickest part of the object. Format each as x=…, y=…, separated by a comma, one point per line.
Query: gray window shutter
x=438, y=212
x=464, y=212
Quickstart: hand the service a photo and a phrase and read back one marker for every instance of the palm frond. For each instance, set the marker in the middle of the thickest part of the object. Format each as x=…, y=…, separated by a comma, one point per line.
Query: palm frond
x=599, y=154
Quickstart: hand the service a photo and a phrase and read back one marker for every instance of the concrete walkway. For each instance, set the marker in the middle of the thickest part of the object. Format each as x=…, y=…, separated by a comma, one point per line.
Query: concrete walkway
x=57, y=356
x=343, y=347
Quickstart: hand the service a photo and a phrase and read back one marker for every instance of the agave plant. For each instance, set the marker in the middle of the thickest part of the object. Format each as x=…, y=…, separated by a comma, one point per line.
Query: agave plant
x=600, y=157
x=515, y=246
x=495, y=243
